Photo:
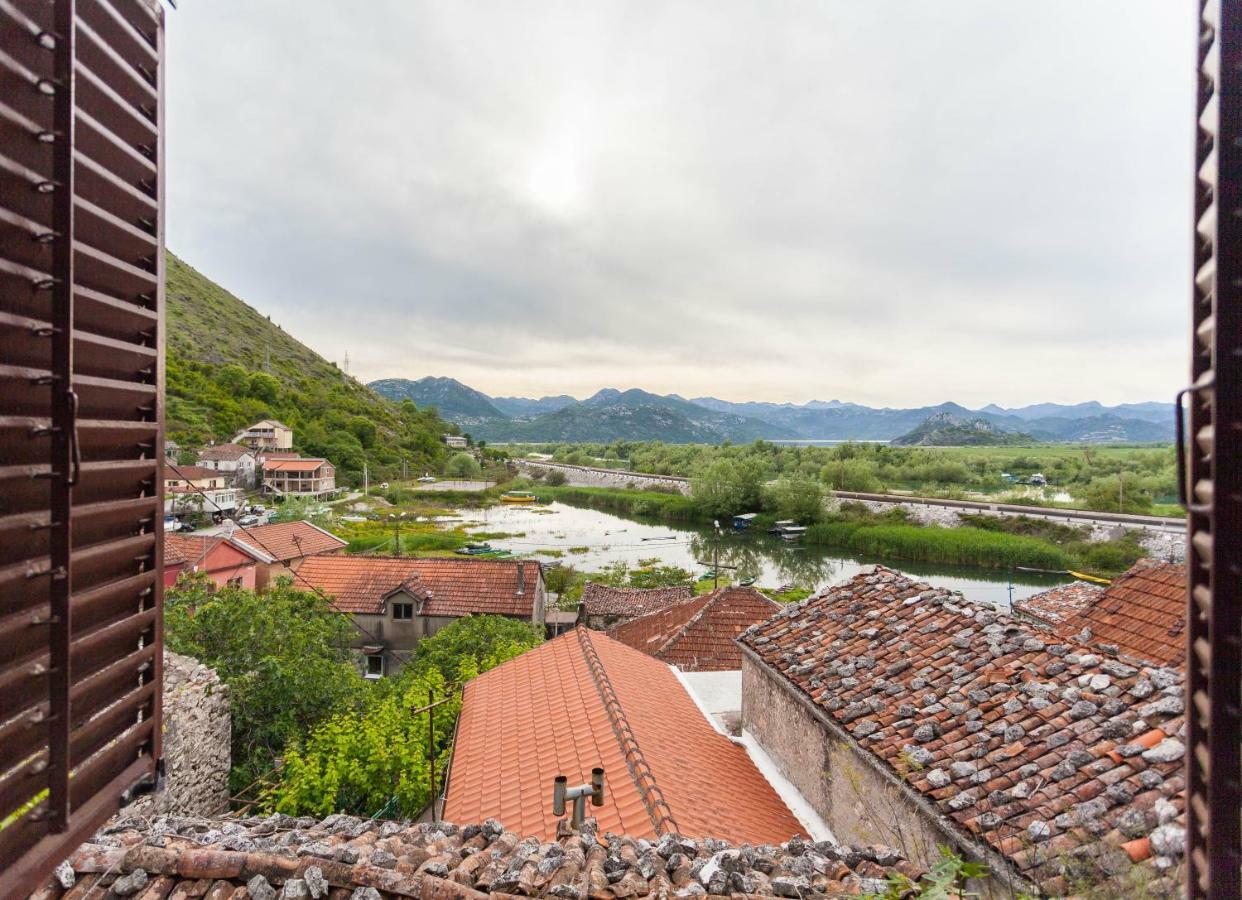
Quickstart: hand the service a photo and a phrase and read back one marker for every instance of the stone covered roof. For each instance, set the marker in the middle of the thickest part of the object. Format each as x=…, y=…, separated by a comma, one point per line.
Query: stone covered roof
x=1056, y=757
x=1062, y=602
x=293, y=540
x=447, y=587
x=225, y=452
x=603, y=600
x=343, y=857
x=584, y=700
x=698, y=635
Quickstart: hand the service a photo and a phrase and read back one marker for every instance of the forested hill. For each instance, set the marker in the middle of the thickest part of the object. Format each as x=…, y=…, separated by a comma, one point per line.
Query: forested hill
x=228, y=366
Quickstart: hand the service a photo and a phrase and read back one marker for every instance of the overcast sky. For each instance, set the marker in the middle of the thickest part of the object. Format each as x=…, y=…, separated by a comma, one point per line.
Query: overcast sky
x=894, y=203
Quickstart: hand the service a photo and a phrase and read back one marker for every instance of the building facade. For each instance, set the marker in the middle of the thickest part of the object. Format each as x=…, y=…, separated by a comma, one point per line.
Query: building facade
x=301, y=477
x=236, y=462
x=266, y=435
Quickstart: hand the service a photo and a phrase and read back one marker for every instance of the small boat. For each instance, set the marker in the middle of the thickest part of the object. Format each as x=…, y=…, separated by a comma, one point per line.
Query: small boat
x=517, y=497
x=779, y=527
x=744, y=521
x=710, y=573
x=475, y=550
x=746, y=582
x=792, y=532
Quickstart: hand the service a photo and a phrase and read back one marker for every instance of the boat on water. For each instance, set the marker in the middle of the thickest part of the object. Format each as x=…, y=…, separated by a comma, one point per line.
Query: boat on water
x=792, y=532
x=484, y=550
x=746, y=582
x=744, y=521
x=779, y=526
x=517, y=497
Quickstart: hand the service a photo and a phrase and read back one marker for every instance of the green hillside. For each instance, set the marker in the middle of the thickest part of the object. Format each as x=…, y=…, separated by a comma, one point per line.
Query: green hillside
x=229, y=366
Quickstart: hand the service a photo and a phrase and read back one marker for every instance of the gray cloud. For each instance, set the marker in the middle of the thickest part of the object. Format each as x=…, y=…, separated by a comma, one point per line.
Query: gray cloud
x=895, y=202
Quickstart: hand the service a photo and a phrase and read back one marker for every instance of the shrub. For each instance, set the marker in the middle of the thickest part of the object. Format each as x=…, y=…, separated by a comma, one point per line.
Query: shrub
x=554, y=477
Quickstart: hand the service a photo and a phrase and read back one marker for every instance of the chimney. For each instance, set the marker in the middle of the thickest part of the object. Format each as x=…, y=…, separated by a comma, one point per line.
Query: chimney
x=521, y=587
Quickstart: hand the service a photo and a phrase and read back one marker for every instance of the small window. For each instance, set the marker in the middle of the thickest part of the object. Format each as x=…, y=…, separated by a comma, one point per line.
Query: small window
x=403, y=610
x=375, y=665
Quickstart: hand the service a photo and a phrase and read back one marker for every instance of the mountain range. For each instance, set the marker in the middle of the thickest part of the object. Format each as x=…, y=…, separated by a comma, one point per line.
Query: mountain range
x=612, y=414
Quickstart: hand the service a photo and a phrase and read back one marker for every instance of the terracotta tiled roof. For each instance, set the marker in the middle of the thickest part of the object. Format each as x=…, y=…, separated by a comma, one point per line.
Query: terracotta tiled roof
x=172, y=471
x=1033, y=744
x=344, y=856
x=1142, y=614
x=698, y=635
x=173, y=555
x=602, y=600
x=1055, y=606
x=299, y=464
x=193, y=548
x=225, y=452
x=293, y=540
x=543, y=714
x=452, y=587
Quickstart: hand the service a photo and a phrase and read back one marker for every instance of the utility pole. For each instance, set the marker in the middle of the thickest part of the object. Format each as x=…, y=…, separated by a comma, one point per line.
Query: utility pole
x=1121, y=492
x=405, y=474
x=366, y=480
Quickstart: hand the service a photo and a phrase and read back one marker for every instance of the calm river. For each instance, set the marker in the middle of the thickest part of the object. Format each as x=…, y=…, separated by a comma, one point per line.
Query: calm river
x=589, y=540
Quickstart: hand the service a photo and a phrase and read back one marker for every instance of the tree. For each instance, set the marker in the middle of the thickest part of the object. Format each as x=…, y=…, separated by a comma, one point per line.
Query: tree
x=284, y=655
x=555, y=477
x=797, y=498
x=477, y=642
x=727, y=486
x=1118, y=493
x=463, y=465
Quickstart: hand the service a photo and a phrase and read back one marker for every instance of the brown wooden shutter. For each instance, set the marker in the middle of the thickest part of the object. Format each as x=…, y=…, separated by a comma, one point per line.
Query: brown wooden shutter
x=1212, y=486
x=81, y=435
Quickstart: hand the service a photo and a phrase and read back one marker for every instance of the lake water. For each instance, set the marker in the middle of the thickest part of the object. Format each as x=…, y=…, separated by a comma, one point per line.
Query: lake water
x=589, y=540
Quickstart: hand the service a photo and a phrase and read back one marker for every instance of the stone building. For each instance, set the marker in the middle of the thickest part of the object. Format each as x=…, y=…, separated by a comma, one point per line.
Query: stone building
x=909, y=716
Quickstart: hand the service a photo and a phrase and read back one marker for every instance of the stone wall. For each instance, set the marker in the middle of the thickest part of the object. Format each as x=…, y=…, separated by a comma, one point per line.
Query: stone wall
x=585, y=476
x=197, y=743
x=859, y=798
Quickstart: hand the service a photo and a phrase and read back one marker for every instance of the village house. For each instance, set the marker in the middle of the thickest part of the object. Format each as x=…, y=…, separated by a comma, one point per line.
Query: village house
x=454, y=441
x=195, y=489
x=582, y=701
x=398, y=601
x=1140, y=615
x=603, y=606
x=266, y=435
x=290, y=544
x=909, y=716
x=227, y=561
x=298, y=476
x=236, y=462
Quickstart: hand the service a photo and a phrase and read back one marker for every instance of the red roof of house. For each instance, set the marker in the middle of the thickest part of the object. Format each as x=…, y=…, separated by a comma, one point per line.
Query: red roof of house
x=172, y=471
x=1055, y=606
x=603, y=600
x=698, y=635
x=225, y=452
x=293, y=540
x=172, y=551
x=448, y=587
x=1027, y=741
x=544, y=714
x=1142, y=614
x=299, y=464
x=194, y=548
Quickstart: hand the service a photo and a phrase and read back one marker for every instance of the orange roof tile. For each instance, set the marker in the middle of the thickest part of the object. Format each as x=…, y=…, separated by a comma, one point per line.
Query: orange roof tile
x=698, y=635
x=173, y=555
x=307, y=464
x=293, y=540
x=447, y=587
x=1142, y=614
x=542, y=714
x=174, y=472
x=193, y=548
x=605, y=600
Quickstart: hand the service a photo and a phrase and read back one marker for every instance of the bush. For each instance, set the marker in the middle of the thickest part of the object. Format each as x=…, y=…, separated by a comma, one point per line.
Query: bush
x=800, y=499
x=554, y=477
x=955, y=546
x=463, y=465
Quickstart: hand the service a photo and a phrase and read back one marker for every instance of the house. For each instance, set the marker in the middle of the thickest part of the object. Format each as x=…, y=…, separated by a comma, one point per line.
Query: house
x=291, y=543
x=299, y=477
x=454, y=441
x=174, y=560
x=604, y=606
x=195, y=489
x=225, y=560
x=699, y=634
x=236, y=462
x=1141, y=614
x=582, y=701
x=399, y=601
x=909, y=716
x=266, y=435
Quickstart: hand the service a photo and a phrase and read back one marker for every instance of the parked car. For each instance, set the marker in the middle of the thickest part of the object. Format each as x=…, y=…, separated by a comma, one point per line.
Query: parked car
x=246, y=521
x=427, y=479
x=383, y=485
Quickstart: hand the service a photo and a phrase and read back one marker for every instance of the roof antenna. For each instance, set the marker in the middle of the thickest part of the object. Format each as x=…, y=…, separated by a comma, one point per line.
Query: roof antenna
x=561, y=792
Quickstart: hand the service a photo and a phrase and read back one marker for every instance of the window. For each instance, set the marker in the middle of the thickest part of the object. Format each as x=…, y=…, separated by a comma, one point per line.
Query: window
x=403, y=610
x=375, y=665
